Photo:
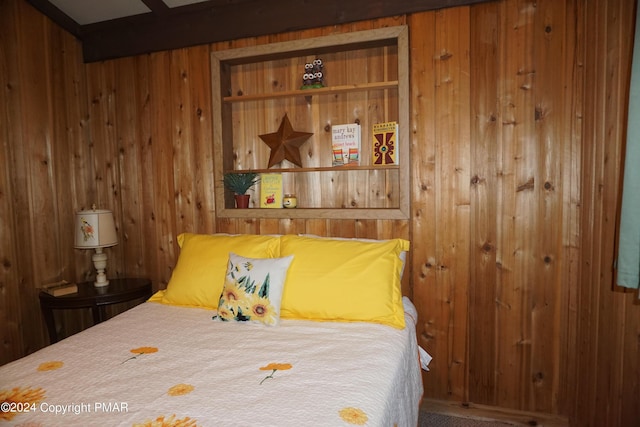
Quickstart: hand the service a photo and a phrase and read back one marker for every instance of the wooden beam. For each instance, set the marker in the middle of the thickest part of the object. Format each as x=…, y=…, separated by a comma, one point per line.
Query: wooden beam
x=210, y=22
x=157, y=6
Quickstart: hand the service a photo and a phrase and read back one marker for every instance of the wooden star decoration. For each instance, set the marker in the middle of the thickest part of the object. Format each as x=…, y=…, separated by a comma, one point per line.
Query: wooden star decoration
x=285, y=143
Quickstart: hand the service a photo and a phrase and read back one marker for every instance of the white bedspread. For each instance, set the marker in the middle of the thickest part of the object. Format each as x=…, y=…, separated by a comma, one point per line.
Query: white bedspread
x=195, y=371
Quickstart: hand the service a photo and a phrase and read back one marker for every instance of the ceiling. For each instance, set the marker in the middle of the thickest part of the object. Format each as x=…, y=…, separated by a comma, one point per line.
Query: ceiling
x=116, y=28
x=86, y=12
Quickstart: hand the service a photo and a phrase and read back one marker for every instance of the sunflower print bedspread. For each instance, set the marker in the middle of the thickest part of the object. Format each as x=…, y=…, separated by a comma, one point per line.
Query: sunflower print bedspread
x=159, y=365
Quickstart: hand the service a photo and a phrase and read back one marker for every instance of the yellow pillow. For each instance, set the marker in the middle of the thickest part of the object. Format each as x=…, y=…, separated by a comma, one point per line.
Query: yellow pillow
x=198, y=277
x=157, y=297
x=343, y=280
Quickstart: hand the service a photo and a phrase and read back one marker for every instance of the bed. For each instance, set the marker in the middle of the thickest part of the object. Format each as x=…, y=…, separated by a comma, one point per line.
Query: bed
x=251, y=331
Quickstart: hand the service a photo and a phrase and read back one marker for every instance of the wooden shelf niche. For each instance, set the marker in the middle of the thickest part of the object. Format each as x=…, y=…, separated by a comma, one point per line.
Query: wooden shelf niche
x=366, y=75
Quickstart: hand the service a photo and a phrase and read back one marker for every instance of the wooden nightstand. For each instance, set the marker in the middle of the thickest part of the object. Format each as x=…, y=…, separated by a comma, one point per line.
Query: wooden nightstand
x=88, y=296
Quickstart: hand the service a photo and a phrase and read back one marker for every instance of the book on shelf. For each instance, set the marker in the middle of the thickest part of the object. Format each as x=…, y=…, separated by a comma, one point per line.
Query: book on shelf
x=60, y=288
x=271, y=190
x=345, y=144
x=385, y=143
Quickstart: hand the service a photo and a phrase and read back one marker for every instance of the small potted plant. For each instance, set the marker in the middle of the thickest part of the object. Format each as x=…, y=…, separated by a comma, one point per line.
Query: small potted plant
x=240, y=183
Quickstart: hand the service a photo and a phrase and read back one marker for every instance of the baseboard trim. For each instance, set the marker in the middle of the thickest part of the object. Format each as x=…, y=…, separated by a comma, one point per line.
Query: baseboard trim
x=493, y=413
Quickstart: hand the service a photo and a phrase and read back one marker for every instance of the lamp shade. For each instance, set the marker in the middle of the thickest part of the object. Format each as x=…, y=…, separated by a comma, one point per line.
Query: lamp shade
x=95, y=229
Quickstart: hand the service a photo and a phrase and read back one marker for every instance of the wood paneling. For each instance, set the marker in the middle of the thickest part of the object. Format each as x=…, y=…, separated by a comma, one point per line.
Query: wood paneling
x=10, y=313
x=522, y=235
x=608, y=318
x=44, y=106
x=485, y=152
x=516, y=122
x=441, y=157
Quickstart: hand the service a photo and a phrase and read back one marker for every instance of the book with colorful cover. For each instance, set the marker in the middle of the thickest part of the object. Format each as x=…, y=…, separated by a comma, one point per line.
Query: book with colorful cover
x=385, y=144
x=345, y=144
x=271, y=190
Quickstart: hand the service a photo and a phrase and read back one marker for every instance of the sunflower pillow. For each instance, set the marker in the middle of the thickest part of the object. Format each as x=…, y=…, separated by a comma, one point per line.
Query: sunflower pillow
x=253, y=289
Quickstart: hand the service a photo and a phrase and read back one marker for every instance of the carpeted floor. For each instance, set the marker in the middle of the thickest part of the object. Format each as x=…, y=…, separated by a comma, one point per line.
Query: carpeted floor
x=441, y=413
x=428, y=419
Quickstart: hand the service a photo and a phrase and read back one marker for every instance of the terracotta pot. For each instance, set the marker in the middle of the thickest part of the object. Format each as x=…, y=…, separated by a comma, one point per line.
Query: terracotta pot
x=242, y=201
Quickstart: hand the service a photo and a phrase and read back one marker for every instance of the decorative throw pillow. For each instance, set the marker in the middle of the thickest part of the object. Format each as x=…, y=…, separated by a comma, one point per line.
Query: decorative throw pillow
x=253, y=289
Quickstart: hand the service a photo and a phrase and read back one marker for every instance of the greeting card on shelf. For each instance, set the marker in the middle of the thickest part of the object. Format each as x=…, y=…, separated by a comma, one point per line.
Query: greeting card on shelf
x=385, y=143
x=270, y=190
x=345, y=144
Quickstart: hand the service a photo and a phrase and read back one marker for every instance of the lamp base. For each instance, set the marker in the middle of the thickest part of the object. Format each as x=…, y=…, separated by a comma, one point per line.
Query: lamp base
x=100, y=263
x=100, y=284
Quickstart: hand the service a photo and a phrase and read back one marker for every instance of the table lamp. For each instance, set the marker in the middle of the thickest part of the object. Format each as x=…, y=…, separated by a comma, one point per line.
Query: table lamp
x=96, y=229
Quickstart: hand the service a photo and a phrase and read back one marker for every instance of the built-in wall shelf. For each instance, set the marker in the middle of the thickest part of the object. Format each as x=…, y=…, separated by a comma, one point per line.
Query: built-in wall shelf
x=311, y=92
x=318, y=169
x=366, y=82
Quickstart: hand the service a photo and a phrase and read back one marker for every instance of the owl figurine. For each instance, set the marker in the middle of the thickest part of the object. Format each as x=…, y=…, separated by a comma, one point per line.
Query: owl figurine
x=307, y=77
x=313, y=76
x=318, y=73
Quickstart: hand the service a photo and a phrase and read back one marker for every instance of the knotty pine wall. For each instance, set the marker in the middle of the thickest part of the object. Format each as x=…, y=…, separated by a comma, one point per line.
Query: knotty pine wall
x=517, y=128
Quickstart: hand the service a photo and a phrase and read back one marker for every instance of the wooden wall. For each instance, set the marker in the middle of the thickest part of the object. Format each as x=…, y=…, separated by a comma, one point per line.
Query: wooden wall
x=517, y=127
